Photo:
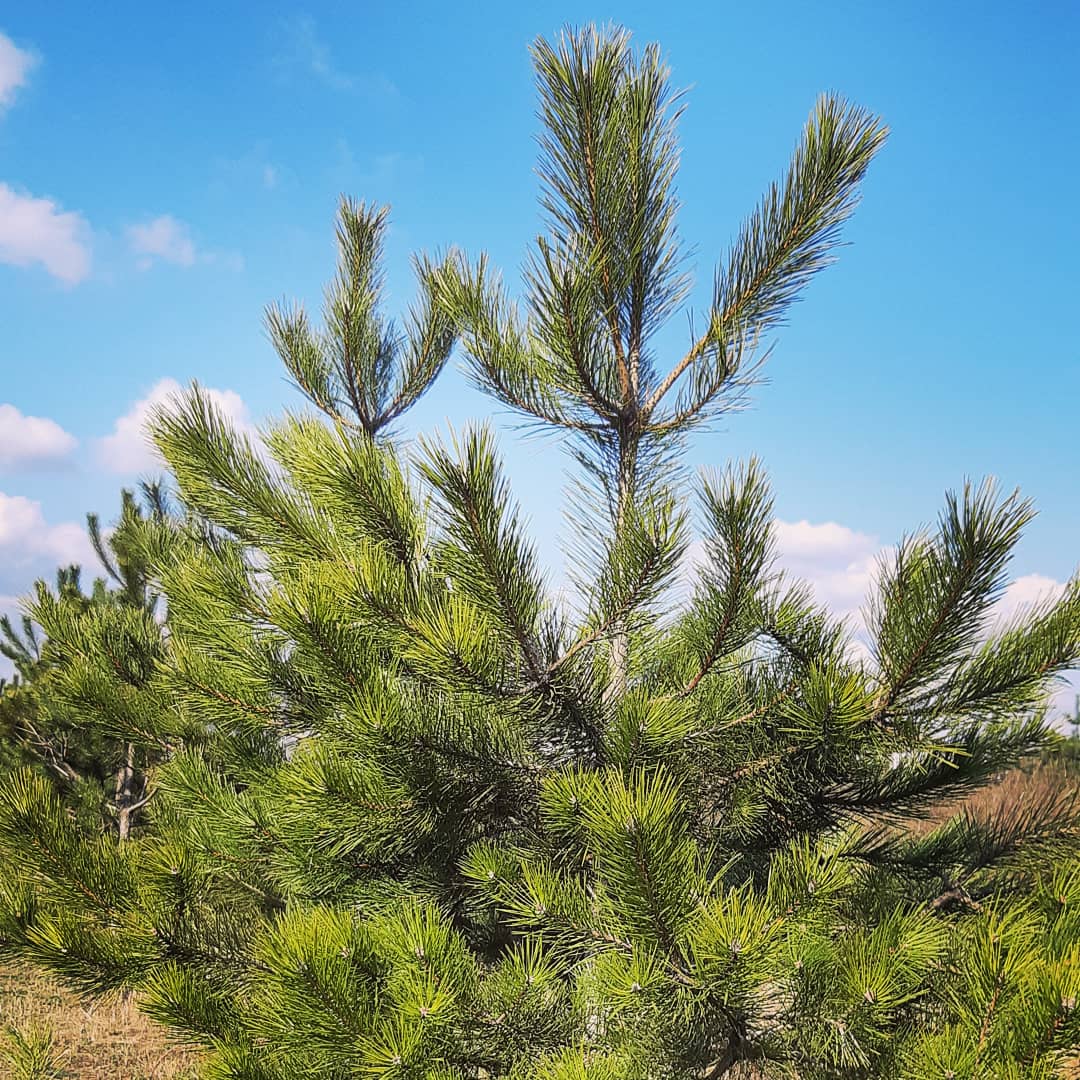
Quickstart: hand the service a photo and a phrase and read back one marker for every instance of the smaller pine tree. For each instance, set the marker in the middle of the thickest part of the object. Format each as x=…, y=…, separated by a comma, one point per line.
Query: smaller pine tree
x=43, y=720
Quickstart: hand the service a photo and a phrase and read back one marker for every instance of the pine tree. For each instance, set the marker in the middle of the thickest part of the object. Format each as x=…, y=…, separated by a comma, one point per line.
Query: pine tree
x=43, y=720
x=417, y=816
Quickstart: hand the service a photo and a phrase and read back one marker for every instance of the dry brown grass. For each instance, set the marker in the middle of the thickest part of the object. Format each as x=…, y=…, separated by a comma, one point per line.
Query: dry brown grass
x=1035, y=783
x=107, y=1040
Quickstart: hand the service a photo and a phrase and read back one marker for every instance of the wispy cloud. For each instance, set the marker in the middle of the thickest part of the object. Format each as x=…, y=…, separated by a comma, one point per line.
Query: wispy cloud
x=378, y=174
x=311, y=52
x=15, y=67
x=254, y=168
x=164, y=239
x=37, y=231
x=302, y=51
x=28, y=441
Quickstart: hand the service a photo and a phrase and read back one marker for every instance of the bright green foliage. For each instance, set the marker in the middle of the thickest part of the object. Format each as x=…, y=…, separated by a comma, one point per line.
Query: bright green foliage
x=420, y=816
x=30, y=1055
x=72, y=756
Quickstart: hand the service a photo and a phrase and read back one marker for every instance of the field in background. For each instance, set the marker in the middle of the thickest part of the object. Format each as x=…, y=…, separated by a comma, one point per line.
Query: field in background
x=109, y=1040
x=1037, y=783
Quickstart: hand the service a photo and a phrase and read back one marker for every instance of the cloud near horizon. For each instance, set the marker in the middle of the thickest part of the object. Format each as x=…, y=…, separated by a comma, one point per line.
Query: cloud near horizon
x=841, y=565
x=32, y=548
x=838, y=562
x=29, y=543
x=30, y=441
x=129, y=450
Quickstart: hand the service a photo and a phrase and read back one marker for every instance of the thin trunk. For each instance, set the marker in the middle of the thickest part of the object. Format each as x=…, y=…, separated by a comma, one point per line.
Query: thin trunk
x=620, y=640
x=125, y=781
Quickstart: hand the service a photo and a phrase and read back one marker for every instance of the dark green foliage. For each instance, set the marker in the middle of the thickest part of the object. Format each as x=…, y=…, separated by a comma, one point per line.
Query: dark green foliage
x=416, y=814
x=58, y=650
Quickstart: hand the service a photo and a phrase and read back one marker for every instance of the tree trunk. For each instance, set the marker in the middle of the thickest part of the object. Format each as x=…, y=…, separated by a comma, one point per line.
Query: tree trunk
x=125, y=780
x=620, y=638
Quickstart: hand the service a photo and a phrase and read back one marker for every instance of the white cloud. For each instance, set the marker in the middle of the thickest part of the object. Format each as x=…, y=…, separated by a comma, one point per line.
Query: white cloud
x=31, y=548
x=1023, y=593
x=163, y=238
x=31, y=440
x=36, y=230
x=27, y=540
x=837, y=562
x=15, y=66
x=841, y=565
x=308, y=52
x=129, y=450
x=11, y=606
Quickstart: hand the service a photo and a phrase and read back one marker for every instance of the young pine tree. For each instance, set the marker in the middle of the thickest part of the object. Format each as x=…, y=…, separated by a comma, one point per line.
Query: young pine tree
x=416, y=817
x=44, y=721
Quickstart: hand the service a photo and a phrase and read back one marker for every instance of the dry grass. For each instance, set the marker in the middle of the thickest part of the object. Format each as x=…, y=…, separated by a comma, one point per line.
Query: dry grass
x=1037, y=783
x=107, y=1040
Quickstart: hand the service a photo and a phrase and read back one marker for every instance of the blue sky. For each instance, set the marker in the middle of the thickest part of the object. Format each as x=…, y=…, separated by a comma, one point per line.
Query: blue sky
x=162, y=177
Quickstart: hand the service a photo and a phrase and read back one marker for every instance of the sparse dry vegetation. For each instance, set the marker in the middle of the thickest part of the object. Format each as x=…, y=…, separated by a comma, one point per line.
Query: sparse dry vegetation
x=105, y=1040
x=1036, y=782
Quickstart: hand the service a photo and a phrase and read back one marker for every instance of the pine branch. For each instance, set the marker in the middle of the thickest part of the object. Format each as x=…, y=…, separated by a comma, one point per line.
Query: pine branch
x=791, y=235
x=739, y=550
x=489, y=560
x=362, y=365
